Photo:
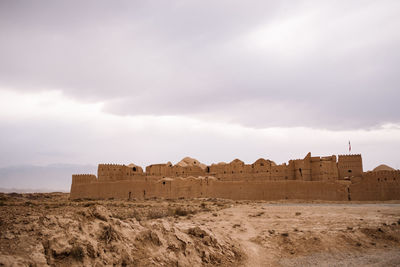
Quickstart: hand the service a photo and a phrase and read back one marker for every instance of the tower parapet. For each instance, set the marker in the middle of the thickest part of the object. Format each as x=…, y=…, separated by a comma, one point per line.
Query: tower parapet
x=115, y=172
x=350, y=166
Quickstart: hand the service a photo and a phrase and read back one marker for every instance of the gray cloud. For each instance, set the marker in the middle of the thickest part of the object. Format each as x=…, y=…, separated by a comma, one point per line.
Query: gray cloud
x=330, y=65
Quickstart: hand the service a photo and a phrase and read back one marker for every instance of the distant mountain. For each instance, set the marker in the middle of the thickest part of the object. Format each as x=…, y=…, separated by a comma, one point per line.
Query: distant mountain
x=50, y=178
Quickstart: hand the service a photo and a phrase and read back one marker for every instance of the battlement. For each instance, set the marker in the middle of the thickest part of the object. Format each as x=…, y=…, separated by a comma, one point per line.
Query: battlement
x=382, y=172
x=382, y=176
x=312, y=177
x=114, y=172
x=350, y=166
x=349, y=155
x=83, y=178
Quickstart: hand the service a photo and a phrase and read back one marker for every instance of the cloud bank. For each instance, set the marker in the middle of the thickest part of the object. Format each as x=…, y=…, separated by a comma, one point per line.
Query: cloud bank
x=146, y=82
x=260, y=63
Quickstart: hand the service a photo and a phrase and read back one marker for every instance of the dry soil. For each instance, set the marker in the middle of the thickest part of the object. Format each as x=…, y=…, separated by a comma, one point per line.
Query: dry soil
x=49, y=229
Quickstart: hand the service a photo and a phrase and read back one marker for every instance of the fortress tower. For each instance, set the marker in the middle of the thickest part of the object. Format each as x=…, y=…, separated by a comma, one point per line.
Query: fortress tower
x=310, y=178
x=350, y=165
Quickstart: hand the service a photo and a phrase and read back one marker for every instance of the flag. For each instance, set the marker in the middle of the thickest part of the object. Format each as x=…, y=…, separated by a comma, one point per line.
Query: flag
x=349, y=147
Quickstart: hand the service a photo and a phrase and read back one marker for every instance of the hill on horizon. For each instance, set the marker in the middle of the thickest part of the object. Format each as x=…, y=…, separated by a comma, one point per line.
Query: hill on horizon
x=31, y=178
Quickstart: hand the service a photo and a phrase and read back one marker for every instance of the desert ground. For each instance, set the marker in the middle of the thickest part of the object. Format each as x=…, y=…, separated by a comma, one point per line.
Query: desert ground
x=50, y=229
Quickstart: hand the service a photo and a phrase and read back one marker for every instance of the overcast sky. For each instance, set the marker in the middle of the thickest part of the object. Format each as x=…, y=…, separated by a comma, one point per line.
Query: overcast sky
x=88, y=82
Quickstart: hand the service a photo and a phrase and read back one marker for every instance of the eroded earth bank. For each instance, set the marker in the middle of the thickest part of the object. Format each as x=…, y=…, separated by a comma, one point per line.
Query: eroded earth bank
x=49, y=229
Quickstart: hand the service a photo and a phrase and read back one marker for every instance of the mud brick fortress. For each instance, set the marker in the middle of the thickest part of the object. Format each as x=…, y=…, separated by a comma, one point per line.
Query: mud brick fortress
x=312, y=178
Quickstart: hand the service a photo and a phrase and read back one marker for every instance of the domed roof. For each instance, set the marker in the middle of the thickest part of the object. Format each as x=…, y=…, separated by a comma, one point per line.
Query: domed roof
x=237, y=161
x=262, y=160
x=190, y=162
x=383, y=167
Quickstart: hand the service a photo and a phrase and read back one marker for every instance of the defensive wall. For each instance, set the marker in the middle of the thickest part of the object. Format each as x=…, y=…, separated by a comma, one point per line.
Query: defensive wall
x=311, y=178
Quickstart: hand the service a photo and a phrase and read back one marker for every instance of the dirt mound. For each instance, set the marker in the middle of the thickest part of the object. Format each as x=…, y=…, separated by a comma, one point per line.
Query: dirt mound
x=383, y=167
x=50, y=230
x=110, y=233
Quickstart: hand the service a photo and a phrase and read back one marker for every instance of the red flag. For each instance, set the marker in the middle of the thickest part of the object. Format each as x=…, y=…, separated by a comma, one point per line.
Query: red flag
x=349, y=147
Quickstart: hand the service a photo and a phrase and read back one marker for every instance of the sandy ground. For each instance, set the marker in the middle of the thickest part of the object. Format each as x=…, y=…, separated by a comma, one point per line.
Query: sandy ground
x=49, y=229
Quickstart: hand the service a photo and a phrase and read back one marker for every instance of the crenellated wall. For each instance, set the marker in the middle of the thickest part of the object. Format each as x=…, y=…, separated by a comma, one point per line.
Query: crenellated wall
x=380, y=185
x=350, y=165
x=116, y=172
x=321, y=178
x=83, y=178
x=169, y=170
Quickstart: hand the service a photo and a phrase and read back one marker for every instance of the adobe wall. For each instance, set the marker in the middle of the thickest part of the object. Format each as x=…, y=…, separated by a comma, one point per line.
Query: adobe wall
x=324, y=168
x=116, y=172
x=309, y=178
x=83, y=178
x=350, y=165
x=169, y=170
x=307, y=169
x=381, y=185
x=210, y=187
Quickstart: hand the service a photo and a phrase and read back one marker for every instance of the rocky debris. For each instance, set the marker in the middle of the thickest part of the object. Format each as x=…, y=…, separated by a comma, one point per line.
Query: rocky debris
x=57, y=232
x=100, y=212
x=149, y=237
x=53, y=231
x=258, y=214
x=197, y=231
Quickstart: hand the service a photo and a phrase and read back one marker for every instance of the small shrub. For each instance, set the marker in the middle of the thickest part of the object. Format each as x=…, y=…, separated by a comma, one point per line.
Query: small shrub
x=198, y=232
x=137, y=215
x=108, y=234
x=77, y=253
x=181, y=212
x=156, y=214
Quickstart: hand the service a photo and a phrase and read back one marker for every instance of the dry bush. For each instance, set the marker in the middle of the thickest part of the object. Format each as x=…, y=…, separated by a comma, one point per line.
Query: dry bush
x=28, y=203
x=181, y=211
x=77, y=253
x=157, y=214
x=109, y=234
x=184, y=212
x=137, y=215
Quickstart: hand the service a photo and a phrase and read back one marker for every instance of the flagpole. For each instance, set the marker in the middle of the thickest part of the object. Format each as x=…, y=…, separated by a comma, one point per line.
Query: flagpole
x=349, y=147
